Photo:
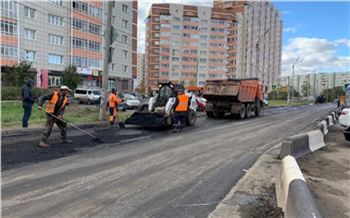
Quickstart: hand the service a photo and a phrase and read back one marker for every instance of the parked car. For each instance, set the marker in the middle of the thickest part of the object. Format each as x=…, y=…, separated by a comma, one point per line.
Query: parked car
x=131, y=101
x=201, y=103
x=344, y=120
x=87, y=95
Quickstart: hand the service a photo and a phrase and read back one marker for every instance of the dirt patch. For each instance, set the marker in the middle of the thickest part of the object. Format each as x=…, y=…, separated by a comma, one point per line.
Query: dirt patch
x=327, y=173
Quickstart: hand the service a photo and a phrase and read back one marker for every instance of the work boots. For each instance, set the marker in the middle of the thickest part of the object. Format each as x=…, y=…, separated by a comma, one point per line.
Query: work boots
x=43, y=144
x=66, y=141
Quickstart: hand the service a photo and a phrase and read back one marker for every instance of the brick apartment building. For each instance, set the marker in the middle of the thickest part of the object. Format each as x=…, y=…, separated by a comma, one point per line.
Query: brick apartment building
x=54, y=34
x=232, y=39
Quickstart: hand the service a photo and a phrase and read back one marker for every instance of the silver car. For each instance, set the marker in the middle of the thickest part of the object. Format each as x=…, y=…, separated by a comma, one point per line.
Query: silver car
x=131, y=101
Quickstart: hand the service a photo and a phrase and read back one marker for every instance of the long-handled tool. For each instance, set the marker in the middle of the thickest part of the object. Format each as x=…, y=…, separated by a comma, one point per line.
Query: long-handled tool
x=96, y=139
x=121, y=123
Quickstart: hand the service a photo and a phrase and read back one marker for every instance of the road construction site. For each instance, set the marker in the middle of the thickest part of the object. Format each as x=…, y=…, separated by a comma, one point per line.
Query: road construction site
x=220, y=167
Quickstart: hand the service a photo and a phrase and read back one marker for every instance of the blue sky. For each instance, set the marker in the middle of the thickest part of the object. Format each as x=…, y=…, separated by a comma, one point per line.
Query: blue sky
x=316, y=31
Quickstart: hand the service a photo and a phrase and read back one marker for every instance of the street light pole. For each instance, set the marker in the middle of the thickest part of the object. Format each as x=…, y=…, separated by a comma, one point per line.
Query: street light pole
x=296, y=61
x=258, y=50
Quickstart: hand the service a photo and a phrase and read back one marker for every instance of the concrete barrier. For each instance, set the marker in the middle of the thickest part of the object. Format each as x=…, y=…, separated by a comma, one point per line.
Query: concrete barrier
x=330, y=119
x=323, y=127
x=300, y=145
x=292, y=193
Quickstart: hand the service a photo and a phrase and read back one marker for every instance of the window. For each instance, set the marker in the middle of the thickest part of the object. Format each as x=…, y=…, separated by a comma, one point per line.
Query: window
x=29, y=12
x=125, y=23
x=9, y=9
x=176, y=35
x=204, y=37
x=9, y=28
x=9, y=51
x=176, y=19
x=80, y=6
x=203, y=45
x=125, y=8
x=95, y=11
x=176, y=43
x=29, y=34
x=80, y=25
x=95, y=29
x=111, y=67
x=55, y=59
x=79, y=43
x=204, y=22
x=124, y=38
x=55, y=80
x=55, y=20
x=57, y=40
x=124, y=54
x=124, y=68
x=175, y=27
x=29, y=55
x=95, y=46
x=203, y=53
x=57, y=2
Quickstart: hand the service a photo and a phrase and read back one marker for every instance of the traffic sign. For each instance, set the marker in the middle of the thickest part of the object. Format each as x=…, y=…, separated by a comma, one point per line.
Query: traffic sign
x=274, y=87
x=346, y=86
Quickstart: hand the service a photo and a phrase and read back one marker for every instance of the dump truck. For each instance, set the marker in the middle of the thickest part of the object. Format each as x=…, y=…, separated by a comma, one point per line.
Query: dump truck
x=160, y=109
x=239, y=97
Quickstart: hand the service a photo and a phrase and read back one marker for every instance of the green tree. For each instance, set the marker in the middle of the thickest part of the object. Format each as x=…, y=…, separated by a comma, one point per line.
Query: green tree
x=142, y=87
x=70, y=77
x=17, y=75
x=305, y=88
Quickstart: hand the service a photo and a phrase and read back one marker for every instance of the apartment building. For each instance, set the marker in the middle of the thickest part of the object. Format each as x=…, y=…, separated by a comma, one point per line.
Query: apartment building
x=54, y=34
x=233, y=39
x=317, y=82
x=141, y=71
x=186, y=44
x=261, y=33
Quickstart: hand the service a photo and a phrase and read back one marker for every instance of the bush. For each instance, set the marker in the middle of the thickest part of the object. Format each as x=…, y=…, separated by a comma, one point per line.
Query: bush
x=11, y=93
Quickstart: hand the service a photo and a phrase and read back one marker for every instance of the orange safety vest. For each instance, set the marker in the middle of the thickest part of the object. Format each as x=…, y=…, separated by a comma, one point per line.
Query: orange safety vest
x=52, y=103
x=183, y=103
x=113, y=100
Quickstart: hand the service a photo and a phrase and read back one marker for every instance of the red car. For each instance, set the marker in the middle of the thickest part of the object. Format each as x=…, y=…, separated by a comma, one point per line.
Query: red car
x=201, y=103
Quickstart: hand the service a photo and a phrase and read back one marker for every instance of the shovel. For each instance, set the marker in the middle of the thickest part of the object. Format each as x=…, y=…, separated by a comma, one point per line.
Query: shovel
x=121, y=123
x=96, y=139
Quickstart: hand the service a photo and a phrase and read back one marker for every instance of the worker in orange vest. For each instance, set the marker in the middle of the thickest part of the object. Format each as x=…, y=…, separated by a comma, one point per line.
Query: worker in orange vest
x=56, y=105
x=181, y=107
x=113, y=104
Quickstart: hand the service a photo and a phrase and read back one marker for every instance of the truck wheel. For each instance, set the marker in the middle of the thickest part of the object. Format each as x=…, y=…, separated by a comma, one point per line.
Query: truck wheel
x=258, y=111
x=242, y=111
x=248, y=111
x=191, y=118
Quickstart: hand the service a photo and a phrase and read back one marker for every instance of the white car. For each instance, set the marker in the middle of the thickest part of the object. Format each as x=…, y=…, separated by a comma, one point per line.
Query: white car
x=131, y=101
x=344, y=118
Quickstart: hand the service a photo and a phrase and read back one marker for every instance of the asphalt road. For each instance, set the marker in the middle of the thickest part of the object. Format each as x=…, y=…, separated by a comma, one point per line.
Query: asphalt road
x=138, y=172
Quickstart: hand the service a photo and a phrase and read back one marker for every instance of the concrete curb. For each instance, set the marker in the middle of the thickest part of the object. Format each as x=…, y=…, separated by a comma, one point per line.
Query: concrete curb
x=292, y=193
x=300, y=145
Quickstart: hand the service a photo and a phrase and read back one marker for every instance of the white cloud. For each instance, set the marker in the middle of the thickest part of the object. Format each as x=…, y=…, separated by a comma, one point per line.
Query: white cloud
x=285, y=12
x=346, y=42
x=318, y=54
x=290, y=29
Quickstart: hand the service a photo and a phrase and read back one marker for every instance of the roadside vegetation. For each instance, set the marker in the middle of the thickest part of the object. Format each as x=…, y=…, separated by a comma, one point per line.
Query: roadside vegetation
x=285, y=103
x=12, y=113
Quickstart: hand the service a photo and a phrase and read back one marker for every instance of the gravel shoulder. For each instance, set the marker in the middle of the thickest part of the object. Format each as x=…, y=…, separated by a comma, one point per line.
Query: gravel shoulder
x=326, y=171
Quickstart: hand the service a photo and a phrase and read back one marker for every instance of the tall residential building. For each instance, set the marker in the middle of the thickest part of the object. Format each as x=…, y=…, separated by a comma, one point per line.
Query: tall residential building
x=316, y=82
x=141, y=70
x=186, y=44
x=55, y=34
x=261, y=33
x=236, y=39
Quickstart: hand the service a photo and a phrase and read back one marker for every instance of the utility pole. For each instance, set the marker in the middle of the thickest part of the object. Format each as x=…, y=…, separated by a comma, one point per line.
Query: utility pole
x=106, y=54
x=288, y=91
x=296, y=61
